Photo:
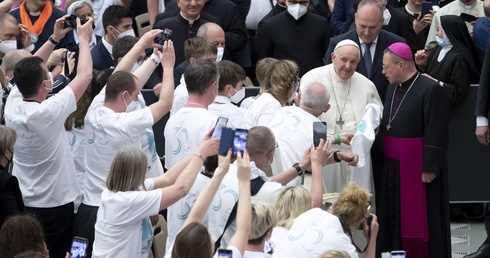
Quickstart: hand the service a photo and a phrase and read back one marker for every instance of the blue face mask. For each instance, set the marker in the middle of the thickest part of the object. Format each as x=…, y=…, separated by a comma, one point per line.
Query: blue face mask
x=442, y=43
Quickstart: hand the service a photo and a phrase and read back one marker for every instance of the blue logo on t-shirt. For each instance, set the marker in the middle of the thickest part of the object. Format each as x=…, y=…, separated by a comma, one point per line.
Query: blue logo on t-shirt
x=146, y=236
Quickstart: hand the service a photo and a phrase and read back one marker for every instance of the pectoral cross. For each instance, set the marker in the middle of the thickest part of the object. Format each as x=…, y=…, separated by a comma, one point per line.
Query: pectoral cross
x=340, y=122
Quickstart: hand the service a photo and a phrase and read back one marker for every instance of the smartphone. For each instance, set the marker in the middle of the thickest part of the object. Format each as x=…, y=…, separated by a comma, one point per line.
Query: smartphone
x=426, y=7
x=468, y=17
x=222, y=121
x=398, y=254
x=225, y=253
x=163, y=36
x=319, y=132
x=240, y=141
x=78, y=247
x=63, y=57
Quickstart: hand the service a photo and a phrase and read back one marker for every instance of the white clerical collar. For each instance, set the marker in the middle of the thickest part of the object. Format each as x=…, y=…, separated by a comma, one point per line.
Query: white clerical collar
x=467, y=7
x=107, y=45
x=222, y=99
x=410, y=11
x=189, y=20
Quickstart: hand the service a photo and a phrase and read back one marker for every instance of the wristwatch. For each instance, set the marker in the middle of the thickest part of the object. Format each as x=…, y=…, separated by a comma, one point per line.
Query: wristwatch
x=335, y=157
x=299, y=171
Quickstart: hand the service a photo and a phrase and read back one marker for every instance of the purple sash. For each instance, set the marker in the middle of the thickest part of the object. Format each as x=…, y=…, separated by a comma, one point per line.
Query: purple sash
x=413, y=204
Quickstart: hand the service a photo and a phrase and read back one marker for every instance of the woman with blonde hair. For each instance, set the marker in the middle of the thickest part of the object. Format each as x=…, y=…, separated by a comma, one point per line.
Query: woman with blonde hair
x=123, y=225
x=335, y=254
x=280, y=84
x=294, y=201
x=264, y=219
x=316, y=231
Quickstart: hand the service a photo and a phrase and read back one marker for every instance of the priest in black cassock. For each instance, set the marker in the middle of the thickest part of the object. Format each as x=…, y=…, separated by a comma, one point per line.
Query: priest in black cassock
x=185, y=25
x=414, y=208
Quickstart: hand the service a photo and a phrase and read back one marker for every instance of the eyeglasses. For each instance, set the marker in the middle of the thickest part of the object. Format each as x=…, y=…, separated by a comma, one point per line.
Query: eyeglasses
x=148, y=168
x=386, y=67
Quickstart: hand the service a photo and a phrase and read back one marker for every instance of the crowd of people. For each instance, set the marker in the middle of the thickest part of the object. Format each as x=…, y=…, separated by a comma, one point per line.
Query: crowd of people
x=380, y=78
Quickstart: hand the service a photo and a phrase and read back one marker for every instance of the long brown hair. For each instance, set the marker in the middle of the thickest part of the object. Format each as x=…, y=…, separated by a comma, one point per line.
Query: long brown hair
x=128, y=171
x=193, y=241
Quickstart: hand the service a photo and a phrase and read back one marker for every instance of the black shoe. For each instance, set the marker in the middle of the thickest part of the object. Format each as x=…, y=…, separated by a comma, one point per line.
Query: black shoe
x=482, y=252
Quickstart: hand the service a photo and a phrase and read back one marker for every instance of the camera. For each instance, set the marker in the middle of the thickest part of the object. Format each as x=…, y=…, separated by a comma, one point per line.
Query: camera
x=71, y=22
x=163, y=36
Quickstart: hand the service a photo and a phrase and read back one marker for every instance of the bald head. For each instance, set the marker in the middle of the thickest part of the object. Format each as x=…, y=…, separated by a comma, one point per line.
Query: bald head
x=369, y=20
x=260, y=141
x=212, y=32
x=12, y=58
x=314, y=96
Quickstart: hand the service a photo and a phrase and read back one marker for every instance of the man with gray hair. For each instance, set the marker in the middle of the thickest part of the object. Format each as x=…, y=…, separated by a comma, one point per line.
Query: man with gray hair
x=352, y=92
x=293, y=126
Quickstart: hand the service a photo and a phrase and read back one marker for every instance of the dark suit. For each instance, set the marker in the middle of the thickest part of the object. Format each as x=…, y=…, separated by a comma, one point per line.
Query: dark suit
x=483, y=109
x=385, y=39
x=401, y=24
x=179, y=71
x=101, y=58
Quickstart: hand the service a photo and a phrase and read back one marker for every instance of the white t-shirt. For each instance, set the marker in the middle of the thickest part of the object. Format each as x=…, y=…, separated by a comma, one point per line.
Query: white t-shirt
x=43, y=163
x=76, y=139
x=123, y=227
x=261, y=111
x=249, y=254
x=278, y=235
x=223, y=107
x=185, y=131
x=293, y=129
x=107, y=132
x=227, y=196
x=178, y=212
x=181, y=96
x=247, y=102
x=313, y=233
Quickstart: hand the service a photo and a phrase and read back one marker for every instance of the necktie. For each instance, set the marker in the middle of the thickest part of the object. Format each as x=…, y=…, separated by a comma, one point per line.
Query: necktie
x=367, y=59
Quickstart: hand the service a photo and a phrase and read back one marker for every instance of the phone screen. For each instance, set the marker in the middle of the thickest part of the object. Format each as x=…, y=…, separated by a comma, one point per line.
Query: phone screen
x=222, y=121
x=225, y=253
x=78, y=247
x=240, y=141
x=426, y=7
x=319, y=132
x=468, y=17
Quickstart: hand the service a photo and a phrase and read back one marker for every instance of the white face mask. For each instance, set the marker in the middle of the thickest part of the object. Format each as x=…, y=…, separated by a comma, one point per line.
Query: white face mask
x=125, y=33
x=133, y=106
x=219, y=56
x=8, y=45
x=297, y=10
x=239, y=95
x=52, y=82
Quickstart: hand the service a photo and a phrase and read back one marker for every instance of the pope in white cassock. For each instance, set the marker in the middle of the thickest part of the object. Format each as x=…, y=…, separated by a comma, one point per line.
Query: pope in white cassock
x=350, y=93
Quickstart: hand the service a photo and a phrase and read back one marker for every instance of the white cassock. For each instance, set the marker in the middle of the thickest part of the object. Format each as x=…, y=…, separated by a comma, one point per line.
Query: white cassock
x=348, y=99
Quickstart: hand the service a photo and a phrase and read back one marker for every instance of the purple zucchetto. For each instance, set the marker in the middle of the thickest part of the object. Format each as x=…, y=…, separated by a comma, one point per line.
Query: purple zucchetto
x=402, y=50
